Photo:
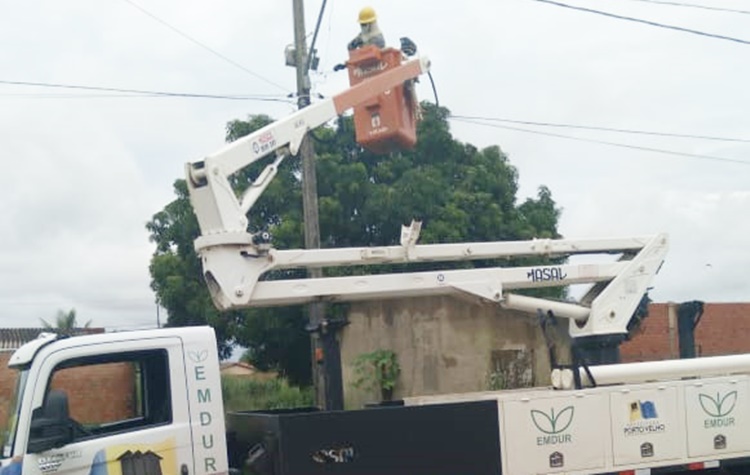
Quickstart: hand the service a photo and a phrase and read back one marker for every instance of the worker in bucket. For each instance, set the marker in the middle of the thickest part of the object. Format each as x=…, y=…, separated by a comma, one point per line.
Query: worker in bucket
x=369, y=31
x=370, y=34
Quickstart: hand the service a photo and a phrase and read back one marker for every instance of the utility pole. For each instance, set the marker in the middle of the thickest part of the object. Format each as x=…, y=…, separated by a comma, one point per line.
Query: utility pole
x=323, y=333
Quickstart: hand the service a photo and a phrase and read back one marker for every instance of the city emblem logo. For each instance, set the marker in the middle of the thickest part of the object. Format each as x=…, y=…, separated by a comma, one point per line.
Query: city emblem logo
x=643, y=419
x=640, y=410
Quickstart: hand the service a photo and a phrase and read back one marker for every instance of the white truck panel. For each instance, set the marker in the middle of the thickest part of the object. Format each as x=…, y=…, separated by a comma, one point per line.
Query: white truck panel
x=203, y=384
x=718, y=415
x=554, y=434
x=647, y=426
x=618, y=428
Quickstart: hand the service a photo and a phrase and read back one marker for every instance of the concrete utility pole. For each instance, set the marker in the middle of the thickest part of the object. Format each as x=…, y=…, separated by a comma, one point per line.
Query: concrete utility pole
x=326, y=353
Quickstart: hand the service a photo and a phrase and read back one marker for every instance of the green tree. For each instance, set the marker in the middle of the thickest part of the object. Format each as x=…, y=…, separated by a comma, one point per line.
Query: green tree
x=461, y=193
x=65, y=322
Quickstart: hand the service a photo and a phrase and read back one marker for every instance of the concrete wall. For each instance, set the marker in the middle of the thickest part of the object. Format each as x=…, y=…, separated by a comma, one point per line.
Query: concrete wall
x=447, y=345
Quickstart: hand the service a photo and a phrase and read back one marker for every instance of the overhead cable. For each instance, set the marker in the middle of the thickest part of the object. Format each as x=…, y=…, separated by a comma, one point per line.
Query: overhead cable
x=129, y=93
x=600, y=128
x=32, y=95
x=646, y=22
x=613, y=144
x=311, y=53
x=261, y=98
x=694, y=5
x=206, y=47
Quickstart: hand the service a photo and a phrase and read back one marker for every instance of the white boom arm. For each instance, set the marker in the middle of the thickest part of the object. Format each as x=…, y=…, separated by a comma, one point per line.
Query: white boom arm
x=233, y=274
x=221, y=215
x=234, y=260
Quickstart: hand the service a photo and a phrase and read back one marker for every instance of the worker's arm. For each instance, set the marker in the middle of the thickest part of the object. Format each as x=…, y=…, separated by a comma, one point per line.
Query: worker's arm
x=355, y=43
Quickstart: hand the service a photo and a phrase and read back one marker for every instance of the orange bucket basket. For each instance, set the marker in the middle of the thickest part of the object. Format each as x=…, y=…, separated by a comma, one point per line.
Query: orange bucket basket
x=387, y=122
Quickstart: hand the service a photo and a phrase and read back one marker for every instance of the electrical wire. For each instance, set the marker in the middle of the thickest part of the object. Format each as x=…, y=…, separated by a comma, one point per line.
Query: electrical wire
x=613, y=144
x=311, y=53
x=147, y=93
x=132, y=327
x=464, y=118
x=330, y=28
x=599, y=128
x=434, y=89
x=206, y=47
x=693, y=5
x=646, y=22
x=73, y=96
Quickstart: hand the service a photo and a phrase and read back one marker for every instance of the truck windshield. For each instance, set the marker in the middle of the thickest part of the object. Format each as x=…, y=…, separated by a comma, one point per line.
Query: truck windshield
x=9, y=415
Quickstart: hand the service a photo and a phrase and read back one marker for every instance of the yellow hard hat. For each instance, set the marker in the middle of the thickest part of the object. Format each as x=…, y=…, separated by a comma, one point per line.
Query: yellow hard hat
x=367, y=15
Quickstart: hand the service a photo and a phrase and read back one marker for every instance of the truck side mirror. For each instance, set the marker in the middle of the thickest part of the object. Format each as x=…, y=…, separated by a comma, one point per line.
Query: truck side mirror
x=50, y=424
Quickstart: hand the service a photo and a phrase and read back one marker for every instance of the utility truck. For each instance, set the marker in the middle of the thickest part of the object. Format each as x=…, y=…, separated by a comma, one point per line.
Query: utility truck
x=166, y=415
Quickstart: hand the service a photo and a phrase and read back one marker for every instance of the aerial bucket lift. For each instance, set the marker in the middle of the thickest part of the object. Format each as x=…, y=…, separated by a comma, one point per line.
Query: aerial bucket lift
x=235, y=260
x=387, y=121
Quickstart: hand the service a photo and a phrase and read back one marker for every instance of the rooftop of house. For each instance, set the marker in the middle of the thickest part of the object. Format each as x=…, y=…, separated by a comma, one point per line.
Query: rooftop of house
x=13, y=338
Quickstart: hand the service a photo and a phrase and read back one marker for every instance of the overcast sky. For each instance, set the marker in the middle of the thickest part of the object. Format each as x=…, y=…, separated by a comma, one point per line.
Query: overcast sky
x=84, y=171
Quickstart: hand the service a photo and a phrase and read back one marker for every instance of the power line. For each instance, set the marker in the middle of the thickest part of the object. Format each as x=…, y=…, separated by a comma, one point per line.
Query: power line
x=693, y=5
x=269, y=98
x=646, y=22
x=72, y=96
x=148, y=93
x=133, y=327
x=206, y=47
x=600, y=128
x=613, y=144
x=311, y=53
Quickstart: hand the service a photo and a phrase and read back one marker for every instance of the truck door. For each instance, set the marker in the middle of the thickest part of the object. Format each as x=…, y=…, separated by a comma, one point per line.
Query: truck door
x=125, y=409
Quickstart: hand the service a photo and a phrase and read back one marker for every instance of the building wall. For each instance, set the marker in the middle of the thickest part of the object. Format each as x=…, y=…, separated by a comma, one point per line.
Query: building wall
x=724, y=329
x=447, y=345
x=653, y=340
x=7, y=386
x=99, y=393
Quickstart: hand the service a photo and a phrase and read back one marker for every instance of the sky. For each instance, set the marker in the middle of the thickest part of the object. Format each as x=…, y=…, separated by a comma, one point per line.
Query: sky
x=85, y=170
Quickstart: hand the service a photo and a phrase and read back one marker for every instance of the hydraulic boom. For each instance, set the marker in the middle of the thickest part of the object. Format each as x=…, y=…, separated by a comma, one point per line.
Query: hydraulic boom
x=234, y=260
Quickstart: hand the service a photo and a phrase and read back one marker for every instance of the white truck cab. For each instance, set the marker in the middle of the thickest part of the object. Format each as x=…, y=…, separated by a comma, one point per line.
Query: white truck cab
x=145, y=402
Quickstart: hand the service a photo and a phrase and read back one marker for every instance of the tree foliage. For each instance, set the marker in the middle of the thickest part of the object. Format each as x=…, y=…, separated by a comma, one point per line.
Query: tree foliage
x=460, y=192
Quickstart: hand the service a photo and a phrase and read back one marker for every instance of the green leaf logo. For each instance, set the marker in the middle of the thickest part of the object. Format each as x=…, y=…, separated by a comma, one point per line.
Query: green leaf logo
x=719, y=407
x=198, y=356
x=553, y=423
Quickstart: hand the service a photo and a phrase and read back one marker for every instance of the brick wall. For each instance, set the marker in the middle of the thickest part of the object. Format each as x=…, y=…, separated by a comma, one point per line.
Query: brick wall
x=99, y=393
x=724, y=329
x=7, y=386
x=652, y=340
